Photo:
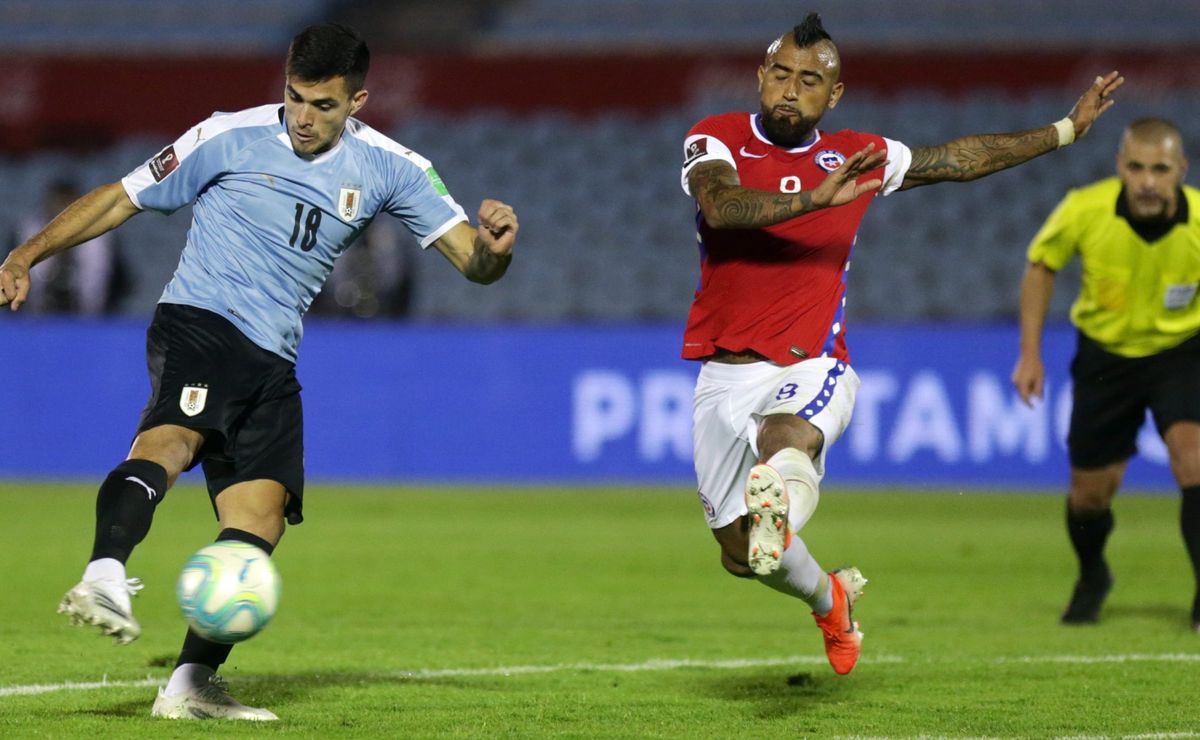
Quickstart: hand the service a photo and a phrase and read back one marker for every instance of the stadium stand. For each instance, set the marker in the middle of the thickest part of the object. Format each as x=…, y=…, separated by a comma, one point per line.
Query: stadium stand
x=160, y=26
x=606, y=231
x=872, y=24
x=608, y=234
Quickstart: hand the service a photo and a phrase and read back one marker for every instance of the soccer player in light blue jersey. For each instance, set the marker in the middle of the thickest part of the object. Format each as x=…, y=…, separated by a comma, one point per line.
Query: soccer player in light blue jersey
x=278, y=193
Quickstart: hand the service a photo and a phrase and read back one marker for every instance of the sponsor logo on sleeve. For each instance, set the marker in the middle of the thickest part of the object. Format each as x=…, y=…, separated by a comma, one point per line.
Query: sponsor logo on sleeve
x=829, y=159
x=436, y=180
x=164, y=164
x=348, y=202
x=695, y=150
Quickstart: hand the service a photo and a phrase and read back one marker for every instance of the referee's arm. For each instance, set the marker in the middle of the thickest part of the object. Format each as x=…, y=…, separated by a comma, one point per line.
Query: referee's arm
x=1037, y=286
x=100, y=211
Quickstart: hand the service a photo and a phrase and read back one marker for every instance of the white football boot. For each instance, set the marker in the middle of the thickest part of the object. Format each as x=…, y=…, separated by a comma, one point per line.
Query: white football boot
x=767, y=507
x=104, y=602
x=207, y=699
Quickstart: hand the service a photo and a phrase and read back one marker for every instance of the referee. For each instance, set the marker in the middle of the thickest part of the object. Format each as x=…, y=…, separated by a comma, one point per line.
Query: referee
x=1138, y=238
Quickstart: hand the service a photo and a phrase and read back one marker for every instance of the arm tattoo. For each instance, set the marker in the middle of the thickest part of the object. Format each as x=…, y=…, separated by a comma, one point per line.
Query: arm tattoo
x=726, y=204
x=485, y=266
x=972, y=157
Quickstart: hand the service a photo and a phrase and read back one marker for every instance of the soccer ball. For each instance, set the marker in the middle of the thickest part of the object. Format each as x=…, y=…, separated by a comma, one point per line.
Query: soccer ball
x=228, y=591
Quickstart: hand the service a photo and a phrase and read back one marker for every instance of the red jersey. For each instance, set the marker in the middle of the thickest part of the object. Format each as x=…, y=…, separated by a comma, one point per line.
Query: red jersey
x=778, y=290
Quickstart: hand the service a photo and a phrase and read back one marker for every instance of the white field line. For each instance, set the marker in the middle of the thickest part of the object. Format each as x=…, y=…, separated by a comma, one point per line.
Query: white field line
x=516, y=670
x=1145, y=736
x=1131, y=658
x=649, y=665
x=104, y=683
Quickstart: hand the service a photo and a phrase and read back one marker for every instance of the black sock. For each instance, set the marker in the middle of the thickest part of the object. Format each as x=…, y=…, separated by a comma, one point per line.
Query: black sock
x=249, y=538
x=125, y=507
x=1189, y=524
x=196, y=649
x=1088, y=532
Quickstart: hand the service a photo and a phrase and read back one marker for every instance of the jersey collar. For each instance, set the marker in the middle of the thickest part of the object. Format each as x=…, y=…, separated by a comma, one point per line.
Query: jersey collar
x=1152, y=231
x=286, y=140
x=756, y=127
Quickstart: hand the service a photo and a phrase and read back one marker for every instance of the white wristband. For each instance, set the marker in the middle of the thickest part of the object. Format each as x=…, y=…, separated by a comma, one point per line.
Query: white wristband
x=1066, y=132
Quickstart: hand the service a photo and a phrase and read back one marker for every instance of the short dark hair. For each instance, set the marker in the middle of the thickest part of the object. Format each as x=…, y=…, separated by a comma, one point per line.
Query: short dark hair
x=810, y=31
x=329, y=50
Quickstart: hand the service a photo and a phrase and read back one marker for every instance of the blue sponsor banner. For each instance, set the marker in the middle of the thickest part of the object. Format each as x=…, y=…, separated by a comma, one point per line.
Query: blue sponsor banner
x=557, y=403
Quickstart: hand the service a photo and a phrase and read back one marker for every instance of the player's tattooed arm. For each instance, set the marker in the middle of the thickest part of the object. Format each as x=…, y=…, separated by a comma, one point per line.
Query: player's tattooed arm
x=485, y=266
x=972, y=157
x=482, y=254
x=727, y=205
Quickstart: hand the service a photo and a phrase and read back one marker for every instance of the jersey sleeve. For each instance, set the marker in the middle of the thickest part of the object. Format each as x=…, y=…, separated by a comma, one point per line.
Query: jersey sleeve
x=1057, y=241
x=704, y=143
x=174, y=177
x=899, y=159
x=420, y=199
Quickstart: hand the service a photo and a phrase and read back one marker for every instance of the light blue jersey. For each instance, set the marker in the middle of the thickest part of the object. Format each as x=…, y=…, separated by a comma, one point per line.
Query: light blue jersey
x=268, y=225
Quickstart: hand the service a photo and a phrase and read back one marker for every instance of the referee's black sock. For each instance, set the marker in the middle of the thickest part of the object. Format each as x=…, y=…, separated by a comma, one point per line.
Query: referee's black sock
x=196, y=649
x=1189, y=524
x=1088, y=532
x=125, y=507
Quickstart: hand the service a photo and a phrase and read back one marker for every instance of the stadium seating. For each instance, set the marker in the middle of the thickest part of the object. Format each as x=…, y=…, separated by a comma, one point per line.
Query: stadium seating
x=607, y=234
x=171, y=26
x=175, y=26
x=868, y=24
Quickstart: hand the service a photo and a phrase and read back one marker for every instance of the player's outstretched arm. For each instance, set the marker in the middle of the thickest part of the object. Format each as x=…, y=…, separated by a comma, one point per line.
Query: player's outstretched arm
x=1029, y=375
x=972, y=157
x=101, y=210
x=482, y=254
x=728, y=205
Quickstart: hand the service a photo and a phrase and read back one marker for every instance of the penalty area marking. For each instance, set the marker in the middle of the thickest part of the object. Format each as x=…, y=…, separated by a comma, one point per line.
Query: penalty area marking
x=649, y=665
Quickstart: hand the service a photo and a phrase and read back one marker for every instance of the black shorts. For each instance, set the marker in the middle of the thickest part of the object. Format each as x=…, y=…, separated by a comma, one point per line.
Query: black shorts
x=1112, y=394
x=207, y=376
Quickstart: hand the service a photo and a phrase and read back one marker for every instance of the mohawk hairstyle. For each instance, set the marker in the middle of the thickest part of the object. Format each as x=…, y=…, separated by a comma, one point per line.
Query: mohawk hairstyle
x=810, y=31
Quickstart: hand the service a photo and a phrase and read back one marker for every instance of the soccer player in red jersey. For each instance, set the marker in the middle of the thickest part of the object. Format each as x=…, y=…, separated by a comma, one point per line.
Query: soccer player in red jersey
x=778, y=206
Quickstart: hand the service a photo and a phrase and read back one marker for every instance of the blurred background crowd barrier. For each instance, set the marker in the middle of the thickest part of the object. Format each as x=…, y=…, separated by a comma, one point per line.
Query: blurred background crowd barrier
x=575, y=111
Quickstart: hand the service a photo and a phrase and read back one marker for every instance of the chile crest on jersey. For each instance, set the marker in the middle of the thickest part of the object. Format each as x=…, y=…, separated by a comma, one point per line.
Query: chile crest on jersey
x=765, y=166
x=777, y=290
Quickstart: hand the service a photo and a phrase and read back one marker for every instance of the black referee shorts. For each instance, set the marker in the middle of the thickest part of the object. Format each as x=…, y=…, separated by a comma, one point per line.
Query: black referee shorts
x=207, y=376
x=1112, y=394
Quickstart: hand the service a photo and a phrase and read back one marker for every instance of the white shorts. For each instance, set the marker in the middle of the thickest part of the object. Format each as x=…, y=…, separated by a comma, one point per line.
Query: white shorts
x=730, y=401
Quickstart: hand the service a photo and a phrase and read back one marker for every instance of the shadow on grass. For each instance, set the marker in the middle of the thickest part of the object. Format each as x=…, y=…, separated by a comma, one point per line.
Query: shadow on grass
x=134, y=709
x=1173, y=614
x=780, y=694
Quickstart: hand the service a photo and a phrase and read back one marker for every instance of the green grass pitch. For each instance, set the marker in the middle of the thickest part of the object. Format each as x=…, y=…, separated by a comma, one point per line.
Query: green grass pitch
x=603, y=612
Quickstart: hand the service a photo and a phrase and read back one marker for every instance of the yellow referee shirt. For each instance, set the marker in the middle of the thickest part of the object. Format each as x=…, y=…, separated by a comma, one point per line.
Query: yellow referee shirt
x=1138, y=296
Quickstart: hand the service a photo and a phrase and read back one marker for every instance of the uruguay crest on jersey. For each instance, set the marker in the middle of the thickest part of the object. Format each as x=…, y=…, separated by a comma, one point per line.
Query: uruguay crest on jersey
x=348, y=202
x=192, y=399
